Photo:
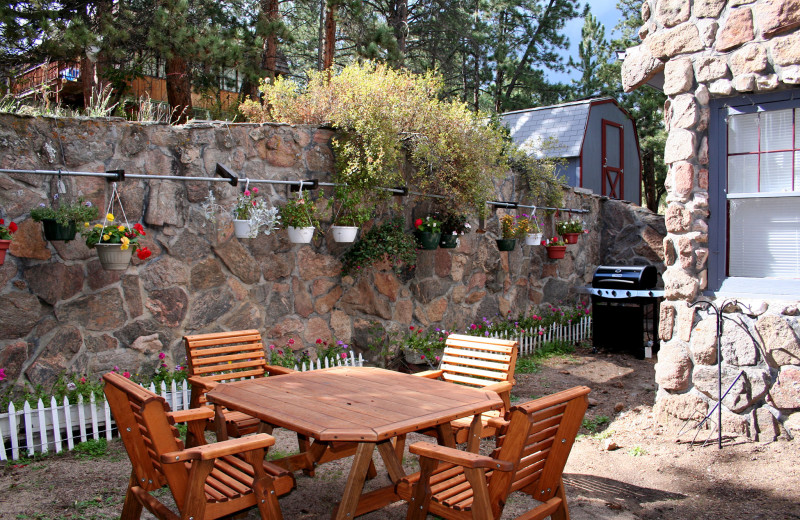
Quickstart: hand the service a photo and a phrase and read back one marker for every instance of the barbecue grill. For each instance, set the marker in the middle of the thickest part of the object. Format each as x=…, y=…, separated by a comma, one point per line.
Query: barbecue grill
x=625, y=308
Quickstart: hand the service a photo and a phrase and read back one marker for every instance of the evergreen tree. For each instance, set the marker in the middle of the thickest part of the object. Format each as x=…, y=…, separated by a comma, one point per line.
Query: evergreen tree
x=593, y=54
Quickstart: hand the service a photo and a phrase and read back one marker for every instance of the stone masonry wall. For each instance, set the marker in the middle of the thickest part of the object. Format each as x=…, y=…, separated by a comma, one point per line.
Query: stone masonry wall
x=59, y=310
x=711, y=49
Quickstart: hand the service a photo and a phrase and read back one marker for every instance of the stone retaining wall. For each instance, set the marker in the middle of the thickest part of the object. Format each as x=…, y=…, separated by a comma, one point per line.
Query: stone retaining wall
x=710, y=49
x=59, y=310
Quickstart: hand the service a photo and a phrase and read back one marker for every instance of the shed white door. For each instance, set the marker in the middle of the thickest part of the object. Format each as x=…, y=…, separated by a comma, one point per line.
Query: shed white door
x=613, y=144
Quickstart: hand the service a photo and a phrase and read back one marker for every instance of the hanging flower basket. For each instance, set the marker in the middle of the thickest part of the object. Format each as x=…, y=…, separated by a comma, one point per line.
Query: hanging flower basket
x=506, y=244
x=3, y=247
x=301, y=235
x=556, y=252
x=448, y=241
x=427, y=240
x=241, y=228
x=570, y=238
x=533, y=239
x=344, y=234
x=54, y=230
x=113, y=257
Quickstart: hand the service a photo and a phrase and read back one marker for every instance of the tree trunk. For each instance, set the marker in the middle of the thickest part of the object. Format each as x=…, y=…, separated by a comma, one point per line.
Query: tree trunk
x=330, y=38
x=321, y=35
x=88, y=79
x=269, y=56
x=398, y=21
x=179, y=90
x=649, y=180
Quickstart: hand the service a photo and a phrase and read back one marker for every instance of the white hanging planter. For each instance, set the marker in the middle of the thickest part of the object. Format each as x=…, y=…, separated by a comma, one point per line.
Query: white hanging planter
x=344, y=233
x=533, y=239
x=113, y=257
x=241, y=228
x=300, y=235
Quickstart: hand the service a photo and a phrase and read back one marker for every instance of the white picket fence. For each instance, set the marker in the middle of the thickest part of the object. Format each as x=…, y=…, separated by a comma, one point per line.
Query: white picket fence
x=530, y=340
x=43, y=429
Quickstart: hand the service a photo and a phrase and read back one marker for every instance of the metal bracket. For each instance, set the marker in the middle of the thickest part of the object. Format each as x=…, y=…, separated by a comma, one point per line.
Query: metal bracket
x=223, y=171
x=120, y=176
x=311, y=184
x=400, y=191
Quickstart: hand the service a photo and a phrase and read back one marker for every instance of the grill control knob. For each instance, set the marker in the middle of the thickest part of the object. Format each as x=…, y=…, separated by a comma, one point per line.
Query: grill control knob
x=628, y=293
x=613, y=293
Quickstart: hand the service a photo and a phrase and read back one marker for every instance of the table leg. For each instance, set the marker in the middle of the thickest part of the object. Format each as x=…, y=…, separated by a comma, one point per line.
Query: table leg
x=391, y=460
x=474, y=437
x=445, y=435
x=355, y=481
x=219, y=423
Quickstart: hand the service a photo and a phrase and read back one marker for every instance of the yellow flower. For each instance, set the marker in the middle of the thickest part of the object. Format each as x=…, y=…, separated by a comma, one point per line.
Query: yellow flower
x=125, y=241
x=110, y=217
x=98, y=225
x=121, y=228
x=123, y=247
x=106, y=237
x=85, y=224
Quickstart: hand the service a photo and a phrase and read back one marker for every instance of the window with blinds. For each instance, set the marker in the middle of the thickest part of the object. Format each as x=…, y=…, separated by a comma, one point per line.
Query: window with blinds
x=763, y=194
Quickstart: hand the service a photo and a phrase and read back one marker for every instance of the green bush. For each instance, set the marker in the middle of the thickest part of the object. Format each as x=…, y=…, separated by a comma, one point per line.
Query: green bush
x=387, y=240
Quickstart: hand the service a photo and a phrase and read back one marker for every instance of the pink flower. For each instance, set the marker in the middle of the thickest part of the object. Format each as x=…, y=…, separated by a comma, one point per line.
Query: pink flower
x=272, y=347
x=246, y=193
x=422, y=356
x=255, y=190
x=344, y=356
x=280, y=352
x=2, y=374
x=161, y=355
x=473, y=327
x=291, y=341
x=83, y=380
x=126, y=374
x=115, y=369
x=438, y=358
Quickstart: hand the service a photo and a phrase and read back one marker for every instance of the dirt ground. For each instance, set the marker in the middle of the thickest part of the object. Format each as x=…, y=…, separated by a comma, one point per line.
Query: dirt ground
x=652, y=474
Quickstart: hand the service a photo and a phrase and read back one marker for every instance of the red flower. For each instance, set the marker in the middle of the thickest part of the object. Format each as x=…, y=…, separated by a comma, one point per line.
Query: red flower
x=12, y=228
x=143, y=253
x=411, y=328
x=319, y=341
x=139, y=229
x=418, y=222
x=126, y=374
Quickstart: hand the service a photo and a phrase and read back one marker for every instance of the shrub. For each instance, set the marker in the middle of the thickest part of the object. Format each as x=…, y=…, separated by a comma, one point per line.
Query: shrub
x=387, y=240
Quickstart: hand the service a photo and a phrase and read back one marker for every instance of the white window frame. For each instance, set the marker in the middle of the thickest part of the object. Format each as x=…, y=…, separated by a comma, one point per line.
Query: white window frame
x=719, y=283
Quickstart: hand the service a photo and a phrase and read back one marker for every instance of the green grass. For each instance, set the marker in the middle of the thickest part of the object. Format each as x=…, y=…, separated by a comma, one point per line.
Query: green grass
x=637, y=451
x=593, y=425
x=532, y=364
x=91, y=449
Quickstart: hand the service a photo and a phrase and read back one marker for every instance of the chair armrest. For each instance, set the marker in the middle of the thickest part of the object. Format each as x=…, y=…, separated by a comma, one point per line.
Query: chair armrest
x=460, y=458
x=203, y=384
x=275, y=370
x=500, y=388
x=497, y=422
x=430, y=374
x=203, y=413
x=219, y=449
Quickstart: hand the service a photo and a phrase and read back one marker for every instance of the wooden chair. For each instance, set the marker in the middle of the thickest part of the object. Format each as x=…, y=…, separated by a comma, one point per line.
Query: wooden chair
x=479, y=362
x=208, y=481
x=227, y=356
x=531, y=452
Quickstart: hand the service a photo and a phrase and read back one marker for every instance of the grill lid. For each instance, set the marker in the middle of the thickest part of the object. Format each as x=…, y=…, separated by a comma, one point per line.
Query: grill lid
x=625, y=277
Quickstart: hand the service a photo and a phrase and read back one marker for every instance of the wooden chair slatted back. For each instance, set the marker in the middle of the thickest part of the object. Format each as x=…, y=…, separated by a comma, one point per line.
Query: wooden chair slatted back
x=541, y=443
x=225, y=356
x=146, y=432
x=477, y=361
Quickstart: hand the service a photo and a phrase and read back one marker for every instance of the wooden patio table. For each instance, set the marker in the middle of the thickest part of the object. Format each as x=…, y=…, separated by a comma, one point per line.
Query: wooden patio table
x=361, y=406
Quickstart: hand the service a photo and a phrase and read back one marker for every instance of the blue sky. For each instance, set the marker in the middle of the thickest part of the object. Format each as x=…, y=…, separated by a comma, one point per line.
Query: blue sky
x=605, y=11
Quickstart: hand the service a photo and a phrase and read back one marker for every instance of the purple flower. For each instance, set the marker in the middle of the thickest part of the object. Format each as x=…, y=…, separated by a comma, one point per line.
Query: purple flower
x=88, y=203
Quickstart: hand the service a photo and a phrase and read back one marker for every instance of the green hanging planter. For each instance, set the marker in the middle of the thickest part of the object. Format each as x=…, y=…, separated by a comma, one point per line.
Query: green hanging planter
x=428, y=240
x=53, y=230
x=506, y=244
x=448, y=241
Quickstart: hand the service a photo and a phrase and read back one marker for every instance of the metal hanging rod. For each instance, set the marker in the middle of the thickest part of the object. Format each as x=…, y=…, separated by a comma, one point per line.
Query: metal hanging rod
x=516, y=205
x=226, y=175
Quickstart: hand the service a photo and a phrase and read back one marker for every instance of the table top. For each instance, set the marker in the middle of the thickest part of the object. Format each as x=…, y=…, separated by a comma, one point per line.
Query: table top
x=361, y=404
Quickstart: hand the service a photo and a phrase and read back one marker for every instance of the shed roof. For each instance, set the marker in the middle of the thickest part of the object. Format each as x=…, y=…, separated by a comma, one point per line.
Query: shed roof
x=564, y=123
